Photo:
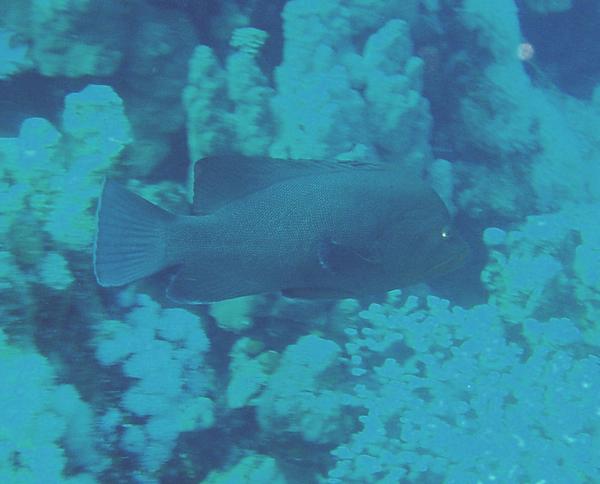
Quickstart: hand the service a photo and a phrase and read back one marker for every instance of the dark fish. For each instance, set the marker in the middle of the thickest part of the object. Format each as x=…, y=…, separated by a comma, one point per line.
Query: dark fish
x=308, y=229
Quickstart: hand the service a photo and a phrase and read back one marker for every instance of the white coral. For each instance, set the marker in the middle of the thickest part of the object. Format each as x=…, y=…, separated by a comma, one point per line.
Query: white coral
x=14, y=57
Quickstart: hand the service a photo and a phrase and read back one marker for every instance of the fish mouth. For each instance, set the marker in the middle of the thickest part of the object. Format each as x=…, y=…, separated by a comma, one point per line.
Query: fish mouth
x=451, y=263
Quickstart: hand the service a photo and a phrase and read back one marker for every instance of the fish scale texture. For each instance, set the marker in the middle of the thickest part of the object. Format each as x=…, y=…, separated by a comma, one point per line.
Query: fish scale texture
x=487, y=374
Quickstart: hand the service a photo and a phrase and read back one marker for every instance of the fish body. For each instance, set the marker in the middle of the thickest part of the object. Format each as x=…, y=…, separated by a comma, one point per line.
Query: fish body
x=307, y=229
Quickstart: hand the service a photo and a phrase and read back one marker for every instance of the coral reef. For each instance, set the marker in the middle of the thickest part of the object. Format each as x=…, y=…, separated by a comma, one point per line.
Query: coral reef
x=70, y=37
x=45, y=425
x=162, y=351
x=521, y=124
x=456, y=386
x=14, y=56
x=547, y=267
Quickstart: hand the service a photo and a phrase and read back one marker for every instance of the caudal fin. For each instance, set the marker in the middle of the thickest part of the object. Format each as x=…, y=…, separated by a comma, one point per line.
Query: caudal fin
x=130, y=237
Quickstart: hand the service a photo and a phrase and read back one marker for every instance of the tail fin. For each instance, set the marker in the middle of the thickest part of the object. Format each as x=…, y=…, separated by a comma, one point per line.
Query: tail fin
x=130, y=237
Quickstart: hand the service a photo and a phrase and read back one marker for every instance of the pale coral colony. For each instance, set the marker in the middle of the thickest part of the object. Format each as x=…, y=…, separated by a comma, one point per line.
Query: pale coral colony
x=489, y=375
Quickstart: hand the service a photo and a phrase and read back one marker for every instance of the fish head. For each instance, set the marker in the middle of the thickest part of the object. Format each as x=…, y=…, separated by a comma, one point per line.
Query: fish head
x=444, y=250
x=421, y=243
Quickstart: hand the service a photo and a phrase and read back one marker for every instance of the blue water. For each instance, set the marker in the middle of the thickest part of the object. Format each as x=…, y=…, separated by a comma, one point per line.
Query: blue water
x=490, y=373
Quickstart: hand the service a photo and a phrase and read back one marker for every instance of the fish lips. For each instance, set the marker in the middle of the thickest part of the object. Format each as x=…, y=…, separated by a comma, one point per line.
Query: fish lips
x=461, y=251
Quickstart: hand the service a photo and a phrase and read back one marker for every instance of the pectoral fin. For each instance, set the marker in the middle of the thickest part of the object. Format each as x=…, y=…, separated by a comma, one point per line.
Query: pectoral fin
x=315, y=293
x=340, y=259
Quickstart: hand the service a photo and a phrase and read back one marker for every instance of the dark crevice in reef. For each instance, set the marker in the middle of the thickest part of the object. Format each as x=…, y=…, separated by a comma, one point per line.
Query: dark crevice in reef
x=567, y=51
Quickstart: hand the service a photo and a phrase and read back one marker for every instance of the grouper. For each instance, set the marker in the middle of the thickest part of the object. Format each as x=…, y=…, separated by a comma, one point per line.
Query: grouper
x=307, y=229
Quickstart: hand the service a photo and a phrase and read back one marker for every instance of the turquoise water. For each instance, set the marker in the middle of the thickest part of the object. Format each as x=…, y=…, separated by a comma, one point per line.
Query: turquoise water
x=490, y=373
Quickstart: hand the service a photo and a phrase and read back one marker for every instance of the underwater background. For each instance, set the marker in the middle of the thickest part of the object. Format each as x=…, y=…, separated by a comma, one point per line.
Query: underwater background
x=488, y=374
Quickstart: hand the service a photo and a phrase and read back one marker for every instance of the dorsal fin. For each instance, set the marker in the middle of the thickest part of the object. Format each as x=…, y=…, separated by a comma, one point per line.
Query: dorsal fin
x=219, y=180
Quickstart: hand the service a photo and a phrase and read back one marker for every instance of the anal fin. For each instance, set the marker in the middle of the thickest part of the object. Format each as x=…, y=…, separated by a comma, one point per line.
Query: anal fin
x=315, y=293
x=205, y=283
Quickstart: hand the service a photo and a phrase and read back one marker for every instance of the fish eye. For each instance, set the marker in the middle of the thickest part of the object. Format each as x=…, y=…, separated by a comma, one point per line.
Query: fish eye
x=446, y=234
